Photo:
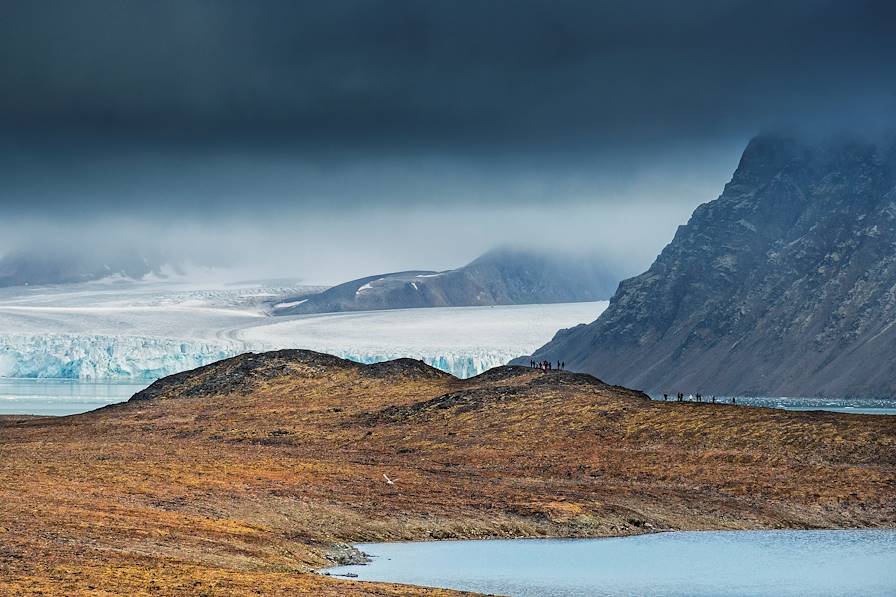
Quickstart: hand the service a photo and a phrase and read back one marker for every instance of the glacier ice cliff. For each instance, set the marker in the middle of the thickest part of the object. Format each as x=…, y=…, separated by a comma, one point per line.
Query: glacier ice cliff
x=94, y=357
x=106, y=357
x=125, y=335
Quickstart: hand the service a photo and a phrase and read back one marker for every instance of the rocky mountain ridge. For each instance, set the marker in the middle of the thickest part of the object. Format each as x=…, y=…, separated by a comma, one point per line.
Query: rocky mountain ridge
x=499, y=277
x=784, y=285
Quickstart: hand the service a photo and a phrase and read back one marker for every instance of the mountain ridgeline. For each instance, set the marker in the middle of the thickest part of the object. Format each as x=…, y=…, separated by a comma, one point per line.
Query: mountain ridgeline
x=499, y=277
x=784, y=285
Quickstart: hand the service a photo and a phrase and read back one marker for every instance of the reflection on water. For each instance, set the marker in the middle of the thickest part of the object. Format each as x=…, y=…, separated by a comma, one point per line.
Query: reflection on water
x=672, y=564
x=60, y=396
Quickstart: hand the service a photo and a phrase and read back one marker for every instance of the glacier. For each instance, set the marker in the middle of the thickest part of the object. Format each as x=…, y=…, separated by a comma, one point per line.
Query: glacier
x=95, y=357
x=464, y=341
x=130, y=358
x=139, y=333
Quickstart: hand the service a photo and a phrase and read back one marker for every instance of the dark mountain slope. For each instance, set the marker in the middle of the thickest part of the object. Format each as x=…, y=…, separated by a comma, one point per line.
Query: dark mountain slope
x=499, y=277
x=784, y=285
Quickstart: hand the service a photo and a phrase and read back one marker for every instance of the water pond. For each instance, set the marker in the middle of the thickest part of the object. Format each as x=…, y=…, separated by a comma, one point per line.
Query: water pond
x=60, y=396
x=772, y=563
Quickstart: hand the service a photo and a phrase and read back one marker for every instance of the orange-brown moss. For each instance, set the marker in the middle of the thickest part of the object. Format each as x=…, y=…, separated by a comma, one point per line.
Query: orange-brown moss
x=245, y=492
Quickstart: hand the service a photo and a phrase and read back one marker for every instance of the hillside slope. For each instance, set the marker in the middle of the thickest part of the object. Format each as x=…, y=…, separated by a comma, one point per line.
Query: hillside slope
x=785, y=285
x=499, y=277
x=243, y=476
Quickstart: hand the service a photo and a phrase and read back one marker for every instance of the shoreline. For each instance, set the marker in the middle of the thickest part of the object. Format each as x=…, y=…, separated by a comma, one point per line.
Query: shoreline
x=850, y=410
x=624, y=536
x=446, y=568
x=366, y=559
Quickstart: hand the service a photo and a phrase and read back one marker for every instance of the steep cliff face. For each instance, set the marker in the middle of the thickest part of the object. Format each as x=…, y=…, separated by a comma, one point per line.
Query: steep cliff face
x=784, y=285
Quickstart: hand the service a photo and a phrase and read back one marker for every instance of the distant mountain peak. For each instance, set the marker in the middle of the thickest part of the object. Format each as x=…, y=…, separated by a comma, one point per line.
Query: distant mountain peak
x=502, y=276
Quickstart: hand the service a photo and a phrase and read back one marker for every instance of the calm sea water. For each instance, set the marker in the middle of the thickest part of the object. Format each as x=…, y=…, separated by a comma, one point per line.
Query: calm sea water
x=60, y=396
x=763, y=563
x=856, y=406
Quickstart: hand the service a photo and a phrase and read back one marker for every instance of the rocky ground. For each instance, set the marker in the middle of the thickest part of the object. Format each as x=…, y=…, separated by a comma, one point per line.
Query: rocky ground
x=246, y=476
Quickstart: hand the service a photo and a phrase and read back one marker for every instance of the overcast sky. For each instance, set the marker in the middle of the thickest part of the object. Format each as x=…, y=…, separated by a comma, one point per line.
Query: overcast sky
x=331, y=139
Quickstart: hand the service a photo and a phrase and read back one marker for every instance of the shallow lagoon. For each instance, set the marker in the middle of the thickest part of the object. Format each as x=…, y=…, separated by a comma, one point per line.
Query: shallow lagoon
x=60, y=396
x=852, y=562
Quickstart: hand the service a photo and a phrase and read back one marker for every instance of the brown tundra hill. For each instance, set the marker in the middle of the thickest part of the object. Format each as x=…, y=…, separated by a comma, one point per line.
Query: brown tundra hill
x=249, y=475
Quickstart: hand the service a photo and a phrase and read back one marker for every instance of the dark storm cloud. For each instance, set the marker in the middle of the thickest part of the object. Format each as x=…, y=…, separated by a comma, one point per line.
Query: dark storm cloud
x=398, y=74
x=186, y=121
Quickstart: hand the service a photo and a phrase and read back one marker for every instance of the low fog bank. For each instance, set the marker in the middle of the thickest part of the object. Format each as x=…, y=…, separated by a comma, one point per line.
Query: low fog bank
x=238, y=220
x=323, y=248
x=326, y=141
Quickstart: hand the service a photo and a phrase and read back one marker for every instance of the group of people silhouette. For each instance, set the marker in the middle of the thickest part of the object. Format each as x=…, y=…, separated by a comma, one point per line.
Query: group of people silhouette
x=696, y=397
x=547, y=365
x=680, y=396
